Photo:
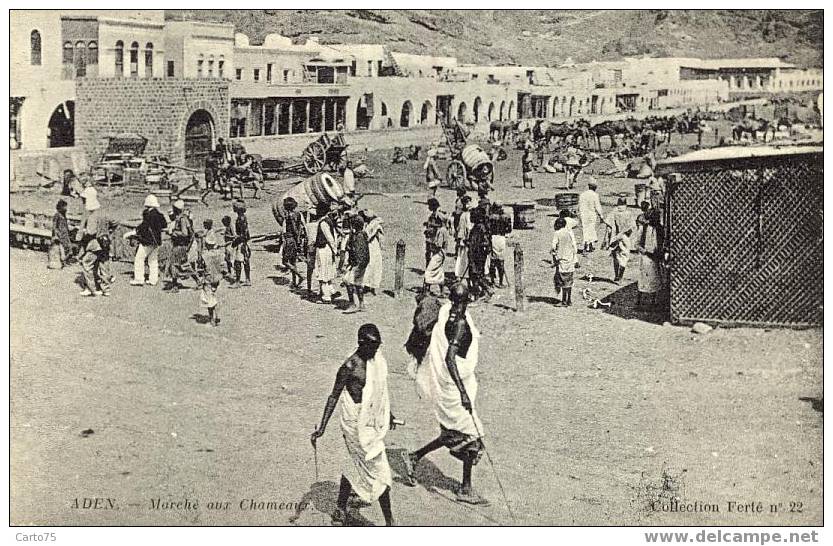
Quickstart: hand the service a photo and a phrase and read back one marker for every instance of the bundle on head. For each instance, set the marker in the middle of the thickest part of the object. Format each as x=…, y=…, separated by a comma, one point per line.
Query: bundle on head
x=425, y=317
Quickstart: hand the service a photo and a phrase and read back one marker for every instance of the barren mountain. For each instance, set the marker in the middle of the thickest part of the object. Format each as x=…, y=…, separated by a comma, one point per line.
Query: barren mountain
x=547, y=37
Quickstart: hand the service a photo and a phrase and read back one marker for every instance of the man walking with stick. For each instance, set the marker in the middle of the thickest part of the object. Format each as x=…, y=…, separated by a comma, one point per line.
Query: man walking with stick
x=446, y=378
x=362, y=388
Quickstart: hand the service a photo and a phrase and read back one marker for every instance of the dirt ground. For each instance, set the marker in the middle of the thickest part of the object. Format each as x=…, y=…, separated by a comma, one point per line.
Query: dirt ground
x=592, y=417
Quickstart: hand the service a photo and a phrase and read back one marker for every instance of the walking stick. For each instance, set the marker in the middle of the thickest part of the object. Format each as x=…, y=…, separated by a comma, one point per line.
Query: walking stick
x=317, y=479
x=494, y=470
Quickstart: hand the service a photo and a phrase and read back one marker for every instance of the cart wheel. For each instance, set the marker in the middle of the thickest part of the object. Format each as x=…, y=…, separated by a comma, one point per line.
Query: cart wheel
x=315, y=156
x=340, y=162
x=455, y=175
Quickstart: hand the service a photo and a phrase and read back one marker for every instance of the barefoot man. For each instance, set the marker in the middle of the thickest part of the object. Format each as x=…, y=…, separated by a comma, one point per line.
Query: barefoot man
x=362, y=387
x=446, y=378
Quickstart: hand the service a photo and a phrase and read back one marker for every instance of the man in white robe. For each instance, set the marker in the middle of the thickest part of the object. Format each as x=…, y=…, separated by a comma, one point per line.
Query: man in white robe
x=590, y=212
x=361, y=387
x=446, y=378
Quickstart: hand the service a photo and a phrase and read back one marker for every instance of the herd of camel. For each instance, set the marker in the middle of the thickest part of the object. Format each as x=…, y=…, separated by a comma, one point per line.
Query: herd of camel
x=580, y=131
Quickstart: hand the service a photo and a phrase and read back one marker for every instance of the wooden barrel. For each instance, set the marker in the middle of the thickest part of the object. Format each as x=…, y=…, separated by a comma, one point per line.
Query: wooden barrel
x=641, y=191
x=473, y=157
x=566, y=201
x=523, y=215
x=313, y=190
x=300, y=193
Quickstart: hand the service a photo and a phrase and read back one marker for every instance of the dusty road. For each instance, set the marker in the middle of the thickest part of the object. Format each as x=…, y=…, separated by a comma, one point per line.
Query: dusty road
x=592, y=417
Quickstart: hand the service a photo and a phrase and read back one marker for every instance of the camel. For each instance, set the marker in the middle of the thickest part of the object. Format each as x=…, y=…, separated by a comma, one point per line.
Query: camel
x=751, y=127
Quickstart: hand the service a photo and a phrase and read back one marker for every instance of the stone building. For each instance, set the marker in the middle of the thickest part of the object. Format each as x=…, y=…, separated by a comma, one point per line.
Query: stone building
x=181, y=118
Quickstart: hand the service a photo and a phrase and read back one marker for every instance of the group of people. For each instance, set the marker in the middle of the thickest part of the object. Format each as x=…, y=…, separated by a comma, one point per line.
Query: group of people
x=478, y=234
x=227, y=168
x=622, y=236
x=443, y=368
x=345, y=242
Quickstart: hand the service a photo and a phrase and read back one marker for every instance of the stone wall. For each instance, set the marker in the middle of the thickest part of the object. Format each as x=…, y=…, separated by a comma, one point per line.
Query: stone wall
x=157, y=109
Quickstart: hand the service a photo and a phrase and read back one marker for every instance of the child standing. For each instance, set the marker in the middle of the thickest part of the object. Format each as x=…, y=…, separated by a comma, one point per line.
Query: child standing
x=60, y=234
x=564, y=253
x=212, y=253
x=358, y=256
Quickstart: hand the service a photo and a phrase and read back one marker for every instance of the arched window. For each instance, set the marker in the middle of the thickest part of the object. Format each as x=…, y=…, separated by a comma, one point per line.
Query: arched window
x=92, y=53
x=148, y=60
x=80, y=59
x=221, y=62
x=34, y=42
x=134, y=60
x=211, y=66
x=119, y=59
x=67, y=59
x=200, y=62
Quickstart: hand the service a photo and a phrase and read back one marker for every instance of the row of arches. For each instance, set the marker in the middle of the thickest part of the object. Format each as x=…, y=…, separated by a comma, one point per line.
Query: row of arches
x=409, y=115
x=476, y=112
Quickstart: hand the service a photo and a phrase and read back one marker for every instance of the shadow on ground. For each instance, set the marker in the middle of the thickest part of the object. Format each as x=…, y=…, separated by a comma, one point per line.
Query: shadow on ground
x=624, y=305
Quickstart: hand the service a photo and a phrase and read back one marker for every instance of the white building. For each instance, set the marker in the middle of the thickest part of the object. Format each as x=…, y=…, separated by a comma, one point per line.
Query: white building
x=199, y=50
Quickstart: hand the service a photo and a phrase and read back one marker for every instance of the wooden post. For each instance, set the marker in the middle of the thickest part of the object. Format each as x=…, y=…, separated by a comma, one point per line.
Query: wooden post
x=399, y=271
x=520, y=300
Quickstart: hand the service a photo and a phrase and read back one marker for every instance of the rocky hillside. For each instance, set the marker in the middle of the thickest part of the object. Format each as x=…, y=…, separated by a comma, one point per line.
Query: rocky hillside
x=548, y=37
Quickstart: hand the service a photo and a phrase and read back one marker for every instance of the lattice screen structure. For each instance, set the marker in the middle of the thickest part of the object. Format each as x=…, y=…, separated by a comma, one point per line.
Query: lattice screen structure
x=745, y=237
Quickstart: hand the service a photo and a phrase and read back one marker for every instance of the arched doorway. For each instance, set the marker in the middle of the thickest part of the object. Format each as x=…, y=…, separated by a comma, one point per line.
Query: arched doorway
x=383, y=113
x=364, y=111
x=405, y=116
x=502, y=110
x=426, y=112
x=61, y=128
x=199, y=139
x=461, y=112
x=572, y=106
x=476, y=111
x=555, y=107
x=509, y=113
x=491, y=112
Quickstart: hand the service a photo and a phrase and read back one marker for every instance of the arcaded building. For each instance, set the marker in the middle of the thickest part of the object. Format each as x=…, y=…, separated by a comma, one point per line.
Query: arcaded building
x=79, y=76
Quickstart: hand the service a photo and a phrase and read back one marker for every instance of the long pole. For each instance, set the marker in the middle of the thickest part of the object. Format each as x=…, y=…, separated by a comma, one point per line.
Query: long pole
x=494, y=470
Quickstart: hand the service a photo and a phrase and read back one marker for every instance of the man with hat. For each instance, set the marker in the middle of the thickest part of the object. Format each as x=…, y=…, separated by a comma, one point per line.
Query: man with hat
x=94, y=236
x=326, y=250
x=432, y=174
x=361, y=386
x=590, y=212
x=182, y=236
x=149, y=234
x=445, y=377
